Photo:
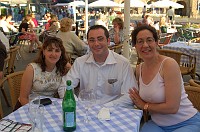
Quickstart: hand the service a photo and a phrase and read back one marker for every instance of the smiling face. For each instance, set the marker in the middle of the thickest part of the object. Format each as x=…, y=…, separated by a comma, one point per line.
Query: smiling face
x=145, y=44
x=98, y=43
x=52, y=54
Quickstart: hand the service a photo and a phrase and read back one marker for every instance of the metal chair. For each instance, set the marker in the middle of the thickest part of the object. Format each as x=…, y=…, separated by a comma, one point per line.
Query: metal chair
x=193, y=95
x=116, y=48
x=14, y=84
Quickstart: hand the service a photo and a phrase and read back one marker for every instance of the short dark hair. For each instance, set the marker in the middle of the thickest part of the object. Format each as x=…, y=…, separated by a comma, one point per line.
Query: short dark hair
x=144, y=27
x=170, y=7
x=106, y=33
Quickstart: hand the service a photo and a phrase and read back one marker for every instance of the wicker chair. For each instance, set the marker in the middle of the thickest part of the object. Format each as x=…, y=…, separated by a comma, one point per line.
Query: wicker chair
x=14, y=83
x=5, y=72
x=116, y=48
x=193, y=96
x=186, y=68
x=195, y=40
x=194, y=83
x=1, y=110
x=13, y=52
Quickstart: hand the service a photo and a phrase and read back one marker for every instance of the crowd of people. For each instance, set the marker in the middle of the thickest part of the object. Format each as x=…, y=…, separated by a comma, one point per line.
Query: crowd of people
x=152, y=88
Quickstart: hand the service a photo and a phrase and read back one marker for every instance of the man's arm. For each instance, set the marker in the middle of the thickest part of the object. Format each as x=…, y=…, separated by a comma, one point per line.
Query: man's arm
x=129, y=81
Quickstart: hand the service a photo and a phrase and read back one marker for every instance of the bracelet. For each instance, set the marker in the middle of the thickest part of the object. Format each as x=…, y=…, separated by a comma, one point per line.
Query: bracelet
x=146, y=106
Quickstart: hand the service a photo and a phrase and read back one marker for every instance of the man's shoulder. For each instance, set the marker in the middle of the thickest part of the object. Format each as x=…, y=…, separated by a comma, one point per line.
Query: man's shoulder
x=120, y=58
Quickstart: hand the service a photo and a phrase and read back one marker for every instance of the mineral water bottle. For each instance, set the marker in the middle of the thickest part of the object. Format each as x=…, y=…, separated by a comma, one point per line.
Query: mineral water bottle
x=69, y=109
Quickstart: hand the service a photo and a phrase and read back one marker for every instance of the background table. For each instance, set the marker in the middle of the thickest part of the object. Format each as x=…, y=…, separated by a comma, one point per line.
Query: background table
x=122, y=119
x=192, y=49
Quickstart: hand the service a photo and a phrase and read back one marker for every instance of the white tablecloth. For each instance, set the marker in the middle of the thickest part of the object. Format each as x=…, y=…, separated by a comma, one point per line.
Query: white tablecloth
x=192, y=49
x=122, y=119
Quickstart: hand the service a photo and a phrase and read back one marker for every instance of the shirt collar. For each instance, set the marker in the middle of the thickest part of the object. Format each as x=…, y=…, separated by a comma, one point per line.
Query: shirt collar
x=109, y=60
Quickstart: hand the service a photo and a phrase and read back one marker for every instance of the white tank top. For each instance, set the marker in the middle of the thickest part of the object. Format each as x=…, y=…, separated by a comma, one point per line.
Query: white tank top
x=154, y=92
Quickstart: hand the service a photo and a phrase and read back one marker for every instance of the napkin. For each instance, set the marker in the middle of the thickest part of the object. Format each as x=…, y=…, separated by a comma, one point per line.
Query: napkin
x=104, y=114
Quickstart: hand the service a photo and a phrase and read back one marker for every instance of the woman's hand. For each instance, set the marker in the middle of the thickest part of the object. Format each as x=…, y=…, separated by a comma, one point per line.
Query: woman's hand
x=135, y=97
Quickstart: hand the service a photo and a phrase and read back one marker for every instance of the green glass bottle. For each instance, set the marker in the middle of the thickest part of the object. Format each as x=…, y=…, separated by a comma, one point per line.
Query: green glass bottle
x=69, y=109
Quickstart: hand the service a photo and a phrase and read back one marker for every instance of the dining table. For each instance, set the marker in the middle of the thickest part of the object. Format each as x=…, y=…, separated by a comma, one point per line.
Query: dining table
x=188, y=48
x=121, y=118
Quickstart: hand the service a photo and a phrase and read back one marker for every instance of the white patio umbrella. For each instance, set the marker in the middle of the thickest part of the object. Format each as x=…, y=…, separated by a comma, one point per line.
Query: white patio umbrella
x=61, y=4
x=135, y=3
x=15, y=1
x=166, y=4
x=104, y=3
x=76, y=3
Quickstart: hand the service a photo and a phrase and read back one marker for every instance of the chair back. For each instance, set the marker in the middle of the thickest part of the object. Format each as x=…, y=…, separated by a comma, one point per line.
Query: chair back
x=1, y=110
x=188, y=68
x=6, y=65
x=13, y=53
x=166, y=40
x=194, y=83
x=117, y=48
x=171, y=53
x=193, y=96
x=195, y=40
x=14, y=83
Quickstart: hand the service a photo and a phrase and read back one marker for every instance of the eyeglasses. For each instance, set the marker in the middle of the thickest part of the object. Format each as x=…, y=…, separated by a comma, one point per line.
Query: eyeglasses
x=99, y=40
x=148, y=41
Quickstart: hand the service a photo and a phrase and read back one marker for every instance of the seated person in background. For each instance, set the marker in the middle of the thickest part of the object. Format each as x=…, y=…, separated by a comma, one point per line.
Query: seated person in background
x=103, y=70
x=52, y=31
x=116, y=33
x=3, y=56
x=7, y=27
x=73, y=45
x=28, y=35
x=53, y=18
x=148, y=20
x=100, y=21
x=160, y=92
x=5, y=41
x=163, y=25
x=44, y=75
x=34, y=20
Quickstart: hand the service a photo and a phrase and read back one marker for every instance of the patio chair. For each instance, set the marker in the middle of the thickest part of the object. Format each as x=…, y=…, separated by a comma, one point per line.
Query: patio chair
x=166, y=40
x=13, y=52
x=1, y=110
x=117, y=48
x=14, y=84
x=194, y=83
x=193, y=95
x=195, y=40
x=5, y=72
x=188, y=68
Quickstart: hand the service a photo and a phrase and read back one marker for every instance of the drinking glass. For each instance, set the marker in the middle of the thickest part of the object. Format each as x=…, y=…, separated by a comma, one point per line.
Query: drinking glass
x=36, y=118
x=87, y=98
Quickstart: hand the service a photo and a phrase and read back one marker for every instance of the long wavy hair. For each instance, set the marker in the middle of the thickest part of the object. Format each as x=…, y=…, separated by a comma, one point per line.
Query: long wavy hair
x=61, y=64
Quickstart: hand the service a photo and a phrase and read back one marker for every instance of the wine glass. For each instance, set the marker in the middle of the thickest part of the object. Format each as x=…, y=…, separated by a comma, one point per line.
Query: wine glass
x=88, y=98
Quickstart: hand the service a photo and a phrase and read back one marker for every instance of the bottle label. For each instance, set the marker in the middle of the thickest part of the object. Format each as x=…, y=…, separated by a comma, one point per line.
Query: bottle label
x=69, y=118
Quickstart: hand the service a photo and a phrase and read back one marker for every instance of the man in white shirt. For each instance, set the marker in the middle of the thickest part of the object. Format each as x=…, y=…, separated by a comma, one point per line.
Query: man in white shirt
x=4, y=40
x=103, y=70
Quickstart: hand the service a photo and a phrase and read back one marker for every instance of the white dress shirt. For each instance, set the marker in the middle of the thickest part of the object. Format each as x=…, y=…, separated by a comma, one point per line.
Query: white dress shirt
x=111, y=80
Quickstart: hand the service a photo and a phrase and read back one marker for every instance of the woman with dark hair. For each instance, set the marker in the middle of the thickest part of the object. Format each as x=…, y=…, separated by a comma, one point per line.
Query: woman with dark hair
x=161, y=91
x=44, y=75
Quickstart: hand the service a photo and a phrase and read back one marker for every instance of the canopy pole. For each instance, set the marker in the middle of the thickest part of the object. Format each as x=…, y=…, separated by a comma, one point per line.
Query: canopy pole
x=126, y=28
x=86, y=16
